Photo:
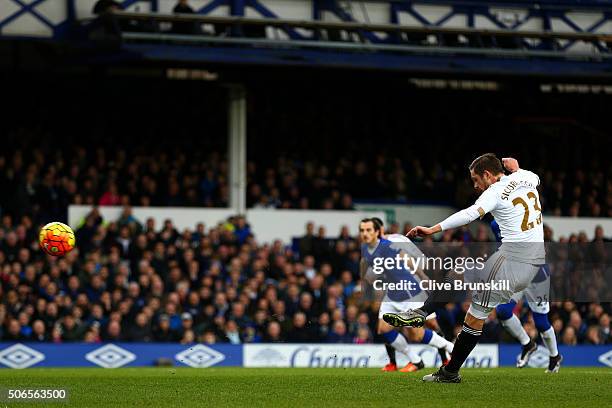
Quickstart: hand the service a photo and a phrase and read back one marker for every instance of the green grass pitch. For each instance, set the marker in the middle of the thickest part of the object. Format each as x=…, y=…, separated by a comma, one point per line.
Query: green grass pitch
x=309, y=387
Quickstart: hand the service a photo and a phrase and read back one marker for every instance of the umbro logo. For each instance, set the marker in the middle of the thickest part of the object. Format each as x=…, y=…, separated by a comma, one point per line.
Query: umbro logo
x=269, y=356
x=20, y=356
x=540, y=358
x=110, y=356
x=606, y=358
x=199, y=356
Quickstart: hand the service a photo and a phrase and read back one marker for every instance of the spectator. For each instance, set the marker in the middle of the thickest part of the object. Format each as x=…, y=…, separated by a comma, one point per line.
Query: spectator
x=352, y=323
x=39, y=331
x=346, y=278
x=110, y=196
x=186, y=322
x=347, y=202
x=306, y=305
x=164, y=333
x=127, y=219
x=238, y=314
x=321, y=246
x=209, y=337
x=71, y=331
x=113, y=332
x=273, y=333
x=242, y=230
x=141, y=330
x=24, y=321
x=592, y=336
x=231, y=332
x=569, y=336
x=576, y=322
x=363, y=336
x=188, y=337
x=300, y=332
x=338, y=333
x=96, y=316
x=14, y=331
x=56, y=334
x=93, y=334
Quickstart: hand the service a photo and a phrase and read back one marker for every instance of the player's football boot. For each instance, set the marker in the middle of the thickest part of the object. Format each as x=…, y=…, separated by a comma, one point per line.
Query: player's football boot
x=528, y=350
x=443, y=376
x=411, y=368
x=412, y=318
x=443, y=356
x=554, y=364
x=389, y=367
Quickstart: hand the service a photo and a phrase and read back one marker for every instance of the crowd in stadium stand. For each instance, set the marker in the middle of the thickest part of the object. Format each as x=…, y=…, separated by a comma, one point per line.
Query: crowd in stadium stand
x=334, y=185
x=42, y=183
x=133, y=280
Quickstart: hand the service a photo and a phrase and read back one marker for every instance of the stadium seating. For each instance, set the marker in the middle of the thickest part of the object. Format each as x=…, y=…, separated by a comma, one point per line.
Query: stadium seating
x=151, y=177
x=131, y=280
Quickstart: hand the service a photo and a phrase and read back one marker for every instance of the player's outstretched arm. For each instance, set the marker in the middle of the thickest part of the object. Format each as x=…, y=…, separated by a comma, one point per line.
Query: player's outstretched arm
x=458, y=219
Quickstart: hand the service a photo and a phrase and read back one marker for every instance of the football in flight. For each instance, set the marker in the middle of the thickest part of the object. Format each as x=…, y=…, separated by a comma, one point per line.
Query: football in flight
x=56, y=239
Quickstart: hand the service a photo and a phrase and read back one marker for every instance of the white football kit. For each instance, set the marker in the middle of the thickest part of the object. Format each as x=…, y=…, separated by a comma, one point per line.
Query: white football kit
x=514, y=203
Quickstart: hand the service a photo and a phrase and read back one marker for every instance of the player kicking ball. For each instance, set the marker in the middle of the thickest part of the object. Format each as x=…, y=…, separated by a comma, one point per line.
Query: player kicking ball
x=375, y=246
x=536, y=296
x=513, y=202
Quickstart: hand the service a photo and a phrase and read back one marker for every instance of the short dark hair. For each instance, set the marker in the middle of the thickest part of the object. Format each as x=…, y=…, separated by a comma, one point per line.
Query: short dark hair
x=378, y=221
x=376, y=225
x=487, y=161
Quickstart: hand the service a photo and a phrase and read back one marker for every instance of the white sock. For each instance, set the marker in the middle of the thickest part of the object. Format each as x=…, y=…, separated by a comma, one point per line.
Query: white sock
x=440, y=342
x=550, y=340
x=414, y=357
x=401, y=344
x=515, y=328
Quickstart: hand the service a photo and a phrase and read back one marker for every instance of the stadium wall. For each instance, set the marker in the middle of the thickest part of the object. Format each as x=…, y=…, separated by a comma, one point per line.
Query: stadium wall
x=272, y=224
x=268, y=225
x=420, y=214
x=114, y=355
x=430, y=214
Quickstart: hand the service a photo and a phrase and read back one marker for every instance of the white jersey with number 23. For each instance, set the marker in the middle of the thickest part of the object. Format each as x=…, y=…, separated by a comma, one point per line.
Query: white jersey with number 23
x=515, y=204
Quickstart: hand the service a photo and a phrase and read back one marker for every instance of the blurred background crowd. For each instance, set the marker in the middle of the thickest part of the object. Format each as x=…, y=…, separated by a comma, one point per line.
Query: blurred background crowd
x=133, y=280
x=43, y=182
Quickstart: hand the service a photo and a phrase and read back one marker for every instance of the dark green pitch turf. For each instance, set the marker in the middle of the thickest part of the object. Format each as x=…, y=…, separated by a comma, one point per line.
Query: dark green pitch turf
x=307, y=387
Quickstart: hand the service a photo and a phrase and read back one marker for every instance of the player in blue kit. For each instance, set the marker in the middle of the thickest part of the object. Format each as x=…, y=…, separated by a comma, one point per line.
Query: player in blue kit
x=376, y=247
x=536, y=296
